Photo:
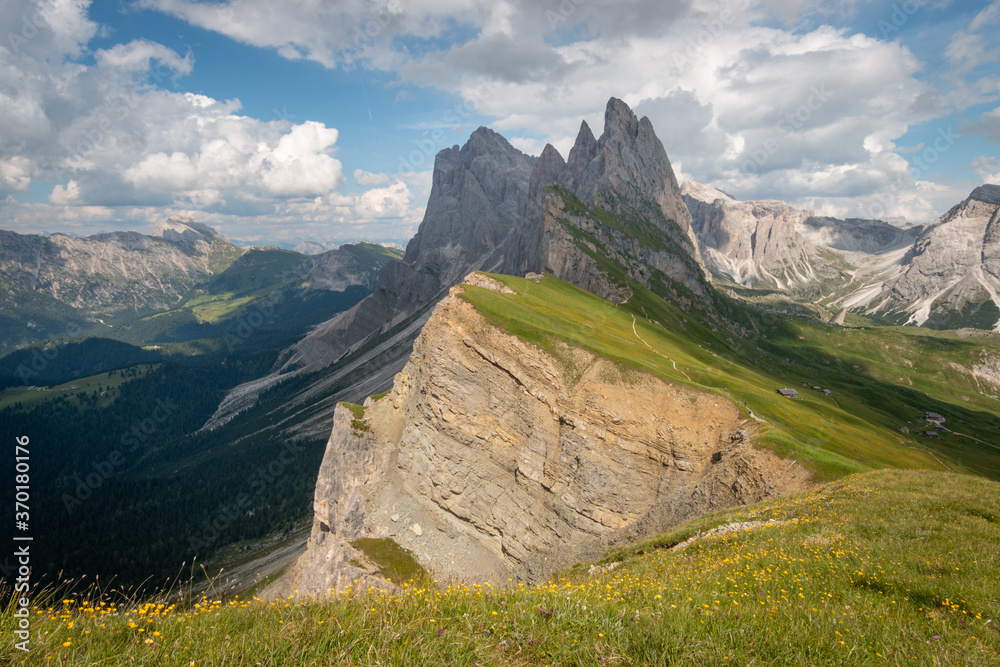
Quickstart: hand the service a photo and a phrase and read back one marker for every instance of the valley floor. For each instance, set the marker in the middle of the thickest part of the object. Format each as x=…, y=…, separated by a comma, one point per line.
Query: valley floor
x=882, y=568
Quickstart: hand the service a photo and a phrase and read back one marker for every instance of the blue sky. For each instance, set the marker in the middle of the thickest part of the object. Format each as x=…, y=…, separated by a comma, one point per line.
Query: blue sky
x=277, y=122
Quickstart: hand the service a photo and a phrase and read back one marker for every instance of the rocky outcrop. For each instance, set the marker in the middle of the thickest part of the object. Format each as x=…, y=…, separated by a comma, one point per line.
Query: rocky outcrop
x=945, y=275
x=492, y=208
x=478, y=200
x=491, y=458
x=751, y=243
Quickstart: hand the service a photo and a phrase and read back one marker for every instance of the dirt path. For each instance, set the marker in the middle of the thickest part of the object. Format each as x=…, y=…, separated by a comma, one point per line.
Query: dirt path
x=982, y=442
x=655, y=352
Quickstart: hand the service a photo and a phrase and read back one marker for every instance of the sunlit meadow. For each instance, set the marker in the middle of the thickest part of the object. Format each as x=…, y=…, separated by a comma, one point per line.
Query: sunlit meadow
x=894, y=568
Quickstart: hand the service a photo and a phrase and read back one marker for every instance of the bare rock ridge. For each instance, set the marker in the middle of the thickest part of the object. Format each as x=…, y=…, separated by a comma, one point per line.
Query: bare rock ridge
x=951, y=276
x=625, y=173
x=184, y=232
x=493, y=208
x=478, y=198
x=113, y=272
x=944, y=275
x=751, y=243
x=476, y=207
x=773, y=245
x=491, y=458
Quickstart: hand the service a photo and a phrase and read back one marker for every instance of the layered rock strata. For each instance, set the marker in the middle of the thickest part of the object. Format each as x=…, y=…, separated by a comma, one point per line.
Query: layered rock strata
x=491, y=458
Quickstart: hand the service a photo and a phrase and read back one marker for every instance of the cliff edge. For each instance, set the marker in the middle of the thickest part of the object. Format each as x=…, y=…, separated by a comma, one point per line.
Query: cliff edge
x=493, y=458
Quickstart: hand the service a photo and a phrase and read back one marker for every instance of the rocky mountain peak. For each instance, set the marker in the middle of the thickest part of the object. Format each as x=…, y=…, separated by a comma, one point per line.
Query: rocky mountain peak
x=625, y=172
x=704, y=193
x=620, y=120
x=627, y=164
x=477, y=191
x=988, y=194
x=185, y=232
x=583, y=151
x=547, y=170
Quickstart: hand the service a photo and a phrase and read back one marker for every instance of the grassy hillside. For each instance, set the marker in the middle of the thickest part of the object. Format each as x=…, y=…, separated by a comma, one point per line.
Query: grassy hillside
x=838, y=576
x=94, y=391
x=853, y=430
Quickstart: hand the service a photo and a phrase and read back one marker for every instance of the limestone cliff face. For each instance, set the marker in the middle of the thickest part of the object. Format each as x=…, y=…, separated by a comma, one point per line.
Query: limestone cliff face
x=954, y=268
x=491, y=458
x=771, y=244
x=750, y=242
x=944, y=275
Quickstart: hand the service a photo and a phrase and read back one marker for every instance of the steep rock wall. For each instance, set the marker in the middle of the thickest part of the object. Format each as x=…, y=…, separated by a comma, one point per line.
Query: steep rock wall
x=491, y=458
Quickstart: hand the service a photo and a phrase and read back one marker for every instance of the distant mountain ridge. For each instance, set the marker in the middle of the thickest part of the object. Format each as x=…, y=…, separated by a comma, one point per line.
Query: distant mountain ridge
x=951, y=275
x=773, y=245
x=59, y=283
x=62, y=286
x=945, y=275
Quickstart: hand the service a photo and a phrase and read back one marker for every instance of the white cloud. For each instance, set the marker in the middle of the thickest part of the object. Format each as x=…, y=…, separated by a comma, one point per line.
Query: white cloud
x=119, y=140
x=368, y=179
x=988, y=168
x=389, y=213
x=988, y=16
x=137, y=55
x=15, y=174
x=808, y=113
x=299, y=166
x=65, y=195
x=760, y=112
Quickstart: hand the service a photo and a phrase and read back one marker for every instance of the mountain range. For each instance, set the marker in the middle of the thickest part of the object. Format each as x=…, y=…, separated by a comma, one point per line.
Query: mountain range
x=186, y=281
x=944, y=275
x=523, y=433
x=625, y=384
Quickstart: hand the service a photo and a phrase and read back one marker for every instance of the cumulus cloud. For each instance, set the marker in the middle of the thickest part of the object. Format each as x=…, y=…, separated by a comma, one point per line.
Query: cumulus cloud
x=110, y=134
x=125, y=150
x=390, y=213
x=988, y=168
x=760, y=112
x=739, y=101
x=809, y=113
x=368, y=179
